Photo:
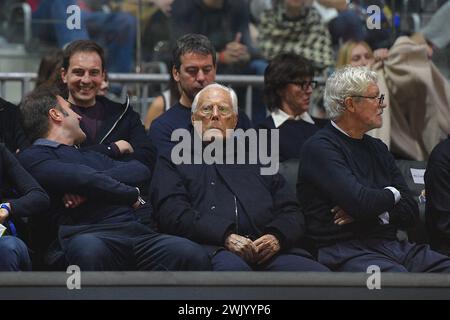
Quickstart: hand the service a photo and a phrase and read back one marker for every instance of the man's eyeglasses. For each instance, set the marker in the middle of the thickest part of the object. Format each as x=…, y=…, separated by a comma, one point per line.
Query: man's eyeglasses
x=305, y=84
x=380, y=98
x=208, y=110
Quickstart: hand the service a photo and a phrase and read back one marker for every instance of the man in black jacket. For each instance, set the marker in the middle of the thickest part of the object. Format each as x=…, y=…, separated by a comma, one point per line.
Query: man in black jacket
x=11, y=132
x=99, y=230
x=111, y=128
x=246, y=220
x=353, y=195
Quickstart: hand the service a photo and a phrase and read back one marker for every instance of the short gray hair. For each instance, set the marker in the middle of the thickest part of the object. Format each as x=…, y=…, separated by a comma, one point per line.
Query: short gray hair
x=233, y=96
x=345, y=82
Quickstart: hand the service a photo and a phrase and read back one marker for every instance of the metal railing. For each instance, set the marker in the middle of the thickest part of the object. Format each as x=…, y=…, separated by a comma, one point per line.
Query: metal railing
x=138, y=86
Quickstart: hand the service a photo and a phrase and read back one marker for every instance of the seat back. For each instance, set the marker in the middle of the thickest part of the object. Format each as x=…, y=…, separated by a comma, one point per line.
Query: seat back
x=289, y=170
x=413, y=173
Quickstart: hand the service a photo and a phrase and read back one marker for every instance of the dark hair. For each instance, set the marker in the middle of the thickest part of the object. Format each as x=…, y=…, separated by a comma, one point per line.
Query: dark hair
x=82, y=46
x=34, y=110
x=50, y=67
x=191, y=42
x=282, y=69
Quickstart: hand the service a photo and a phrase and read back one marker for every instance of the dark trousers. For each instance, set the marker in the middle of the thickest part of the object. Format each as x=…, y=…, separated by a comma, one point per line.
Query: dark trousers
x=225, y=260
x=128, y=246
x=13, y=255
x=389, y=256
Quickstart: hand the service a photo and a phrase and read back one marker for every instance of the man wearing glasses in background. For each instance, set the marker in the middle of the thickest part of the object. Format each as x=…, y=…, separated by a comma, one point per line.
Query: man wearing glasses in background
x=353, y=196
x=288, y=86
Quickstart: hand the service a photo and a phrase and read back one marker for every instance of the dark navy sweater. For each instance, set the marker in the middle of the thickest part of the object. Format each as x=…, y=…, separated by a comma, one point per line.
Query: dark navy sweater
x=179, y=117
x=108, y=185
x=336, y=170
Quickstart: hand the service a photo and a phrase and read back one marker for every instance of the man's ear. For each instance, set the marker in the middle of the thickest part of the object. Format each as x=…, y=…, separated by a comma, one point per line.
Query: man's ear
x=55, y=114
x=235, y=120
x=349, y=105
x=63, y=74
x=175, y=74
x=193, y=118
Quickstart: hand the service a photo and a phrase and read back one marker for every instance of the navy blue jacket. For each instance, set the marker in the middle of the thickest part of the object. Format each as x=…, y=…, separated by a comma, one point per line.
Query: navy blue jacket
x=207, y=202
x=108, y=185
x=122, y=123
x=336, y=170
x=179, y=117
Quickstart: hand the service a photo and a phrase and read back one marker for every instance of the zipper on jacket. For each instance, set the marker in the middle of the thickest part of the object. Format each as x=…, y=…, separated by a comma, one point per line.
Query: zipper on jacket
x=117, y=121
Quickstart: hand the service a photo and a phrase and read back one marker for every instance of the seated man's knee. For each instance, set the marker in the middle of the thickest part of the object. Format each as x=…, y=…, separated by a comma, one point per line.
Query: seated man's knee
x=87, y=251
x=13, y=255
x=190, y=255
x=225, y=260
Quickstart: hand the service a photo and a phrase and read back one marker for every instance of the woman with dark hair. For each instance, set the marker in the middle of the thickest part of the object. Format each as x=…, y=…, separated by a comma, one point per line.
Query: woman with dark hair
x=50, y=67
x=288, y=86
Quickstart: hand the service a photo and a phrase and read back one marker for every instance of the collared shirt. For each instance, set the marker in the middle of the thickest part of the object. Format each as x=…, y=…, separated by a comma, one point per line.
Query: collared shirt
x=337, y=127
x=46, y=142
x=279, y=117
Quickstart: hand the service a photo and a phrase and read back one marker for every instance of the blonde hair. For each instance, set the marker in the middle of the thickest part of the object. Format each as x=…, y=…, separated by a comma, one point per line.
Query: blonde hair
x=345, y=52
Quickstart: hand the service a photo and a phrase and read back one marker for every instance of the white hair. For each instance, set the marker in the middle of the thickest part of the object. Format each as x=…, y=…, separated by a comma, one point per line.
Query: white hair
x=345, y=82
x=230, y=91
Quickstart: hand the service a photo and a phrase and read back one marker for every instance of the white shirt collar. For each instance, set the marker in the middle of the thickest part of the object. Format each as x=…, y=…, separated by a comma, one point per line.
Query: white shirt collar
x=336, y=126
x=279, y=117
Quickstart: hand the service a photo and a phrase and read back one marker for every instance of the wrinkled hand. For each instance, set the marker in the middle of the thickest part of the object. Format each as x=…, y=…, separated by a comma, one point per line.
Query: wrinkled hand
x=241, y=246
x=267, y=246
x=124, y=147
x=341, y=217
x=71, y=200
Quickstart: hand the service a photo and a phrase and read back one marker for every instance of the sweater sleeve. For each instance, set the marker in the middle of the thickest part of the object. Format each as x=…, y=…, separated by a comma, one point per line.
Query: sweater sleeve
x=63, y=177
x=32, y=198
x=325, y=166
x=406, y=211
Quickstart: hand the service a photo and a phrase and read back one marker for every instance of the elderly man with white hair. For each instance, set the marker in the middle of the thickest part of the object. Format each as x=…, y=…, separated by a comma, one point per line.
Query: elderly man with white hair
x=353, y=196
x=246, y=221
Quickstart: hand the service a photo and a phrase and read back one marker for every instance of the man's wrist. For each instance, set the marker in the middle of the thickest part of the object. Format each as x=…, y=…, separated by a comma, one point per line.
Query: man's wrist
x=396, y=193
